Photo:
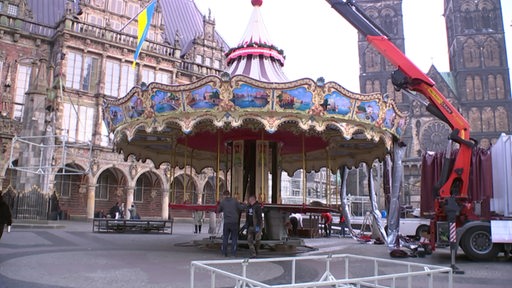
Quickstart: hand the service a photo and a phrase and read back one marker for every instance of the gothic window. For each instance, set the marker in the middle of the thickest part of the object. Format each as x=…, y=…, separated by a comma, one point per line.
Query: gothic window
x=78, y=122
x=486, y=18
x=163, y=77
x=73, y=70
x=112, y=76
x=376, y=86
x=470, y=89
x=488, y=119
x=1, y=66
x=128, y=75
x=479, y=95
x=372, y=60
x=491, y=53
x=143, y=185
x=471, y=54
x=368, y=86
x=82, y=74
x=501, y=119
x=12, y=9
x=467, y=19
x=116, y=6
x=500, y=87
x=387, y=22
x=95, y=20
x=148, y=75
x=132, y=10
x=106, y=182
x=475, y=120
x=434, y=136
x=491, y=83
x=22, y=83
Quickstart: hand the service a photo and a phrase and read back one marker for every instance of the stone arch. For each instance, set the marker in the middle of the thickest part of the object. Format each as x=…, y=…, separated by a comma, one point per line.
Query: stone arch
x=471, y=54
x=475, y=119
x=488, y=119
x=388, y=21
x=500, y=86
x=479, y=90
x=470, y=88
x=209, y=190
x=376, y=86
x=501, y=119
x=148, y=194
x=491, y=53
x=184, y=189
x=369, y=86
x=70, y=184
x=467, y=14
x=372, y=60
x=491, y=84
x=110, y=188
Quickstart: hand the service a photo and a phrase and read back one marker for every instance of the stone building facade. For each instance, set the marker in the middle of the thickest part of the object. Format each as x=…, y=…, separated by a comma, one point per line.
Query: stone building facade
x=58, y=65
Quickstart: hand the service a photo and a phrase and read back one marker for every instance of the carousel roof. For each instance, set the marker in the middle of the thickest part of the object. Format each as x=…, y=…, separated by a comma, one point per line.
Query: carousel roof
x=256, y=56
x=315, y=125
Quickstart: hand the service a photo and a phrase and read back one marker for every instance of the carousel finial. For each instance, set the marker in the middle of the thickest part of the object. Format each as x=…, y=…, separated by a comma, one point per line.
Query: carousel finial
x=257, y=3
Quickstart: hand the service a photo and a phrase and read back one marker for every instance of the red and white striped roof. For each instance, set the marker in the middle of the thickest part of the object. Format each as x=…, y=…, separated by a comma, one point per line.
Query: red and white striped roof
x=256, y=56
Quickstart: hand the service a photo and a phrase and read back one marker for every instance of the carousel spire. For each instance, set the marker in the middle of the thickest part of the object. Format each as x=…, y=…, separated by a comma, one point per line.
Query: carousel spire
x=255, y=55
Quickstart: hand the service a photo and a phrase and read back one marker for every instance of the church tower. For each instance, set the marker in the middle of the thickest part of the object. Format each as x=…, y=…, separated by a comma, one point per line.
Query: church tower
x=375, y=70
x=478, y=62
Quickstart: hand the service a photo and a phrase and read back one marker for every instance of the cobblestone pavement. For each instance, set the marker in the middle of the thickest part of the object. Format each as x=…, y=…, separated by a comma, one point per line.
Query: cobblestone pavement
x=69, y=254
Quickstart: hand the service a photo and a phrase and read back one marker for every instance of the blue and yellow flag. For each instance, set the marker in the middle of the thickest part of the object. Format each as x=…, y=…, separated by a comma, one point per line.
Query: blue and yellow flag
x=144, y=22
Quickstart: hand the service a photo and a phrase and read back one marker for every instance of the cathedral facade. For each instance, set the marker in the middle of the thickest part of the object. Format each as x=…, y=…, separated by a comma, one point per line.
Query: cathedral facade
x=478, y=83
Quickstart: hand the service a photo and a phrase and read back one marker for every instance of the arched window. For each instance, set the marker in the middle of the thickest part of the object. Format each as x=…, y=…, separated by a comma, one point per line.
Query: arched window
x=475, y=120
x=488, y=119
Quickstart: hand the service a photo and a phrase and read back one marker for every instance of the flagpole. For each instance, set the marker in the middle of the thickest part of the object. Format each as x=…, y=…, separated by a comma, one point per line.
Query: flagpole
x=133, y=18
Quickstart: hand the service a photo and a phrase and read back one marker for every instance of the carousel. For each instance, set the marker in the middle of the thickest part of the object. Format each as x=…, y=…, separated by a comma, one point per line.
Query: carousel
x=251, y=124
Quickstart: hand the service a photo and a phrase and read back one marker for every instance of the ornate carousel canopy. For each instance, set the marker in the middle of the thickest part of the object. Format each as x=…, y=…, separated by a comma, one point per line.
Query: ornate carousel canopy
x=314, y=125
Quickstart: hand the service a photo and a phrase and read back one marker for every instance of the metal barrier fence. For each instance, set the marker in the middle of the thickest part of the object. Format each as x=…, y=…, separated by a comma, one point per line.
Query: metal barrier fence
x=339, y=270
x=32, y=205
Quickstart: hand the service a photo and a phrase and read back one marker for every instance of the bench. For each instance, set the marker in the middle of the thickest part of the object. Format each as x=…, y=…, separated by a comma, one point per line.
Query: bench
x=131, y=225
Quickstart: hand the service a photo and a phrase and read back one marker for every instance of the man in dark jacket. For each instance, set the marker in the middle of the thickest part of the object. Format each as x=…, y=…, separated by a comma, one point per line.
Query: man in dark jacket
x=254, y=224
x=231, y=209
x=5, y=215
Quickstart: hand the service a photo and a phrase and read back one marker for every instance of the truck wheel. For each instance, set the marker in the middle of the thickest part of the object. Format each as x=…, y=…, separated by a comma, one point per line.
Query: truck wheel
x=477, y=244
x=422, y=229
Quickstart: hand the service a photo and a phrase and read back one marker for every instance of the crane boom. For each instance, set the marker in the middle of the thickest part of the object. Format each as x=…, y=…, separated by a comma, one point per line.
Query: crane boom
x=410, y=78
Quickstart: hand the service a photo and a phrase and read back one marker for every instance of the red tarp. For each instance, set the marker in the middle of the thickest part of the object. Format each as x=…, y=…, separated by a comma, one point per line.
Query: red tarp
x=480, y=179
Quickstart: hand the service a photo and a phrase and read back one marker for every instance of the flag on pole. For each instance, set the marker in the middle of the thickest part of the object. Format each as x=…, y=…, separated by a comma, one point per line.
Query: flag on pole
x=144, y=22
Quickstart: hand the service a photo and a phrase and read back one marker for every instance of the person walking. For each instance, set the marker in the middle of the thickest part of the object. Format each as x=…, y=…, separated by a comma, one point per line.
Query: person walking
x=198, y=217
x=295, y=221
x=231, y=209
x=327, y=218
x=254, y=222
x=115, y=211
x=5, y=215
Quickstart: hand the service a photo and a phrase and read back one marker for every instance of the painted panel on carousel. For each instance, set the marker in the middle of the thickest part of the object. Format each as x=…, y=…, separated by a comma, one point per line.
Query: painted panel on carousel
x=335, y=103
x=247, y=96
x=389, y=118
x=164, y=101
x=298, y=99
x=116, y=115
x=135, y=107
x=205, y=97
x=368, y=111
